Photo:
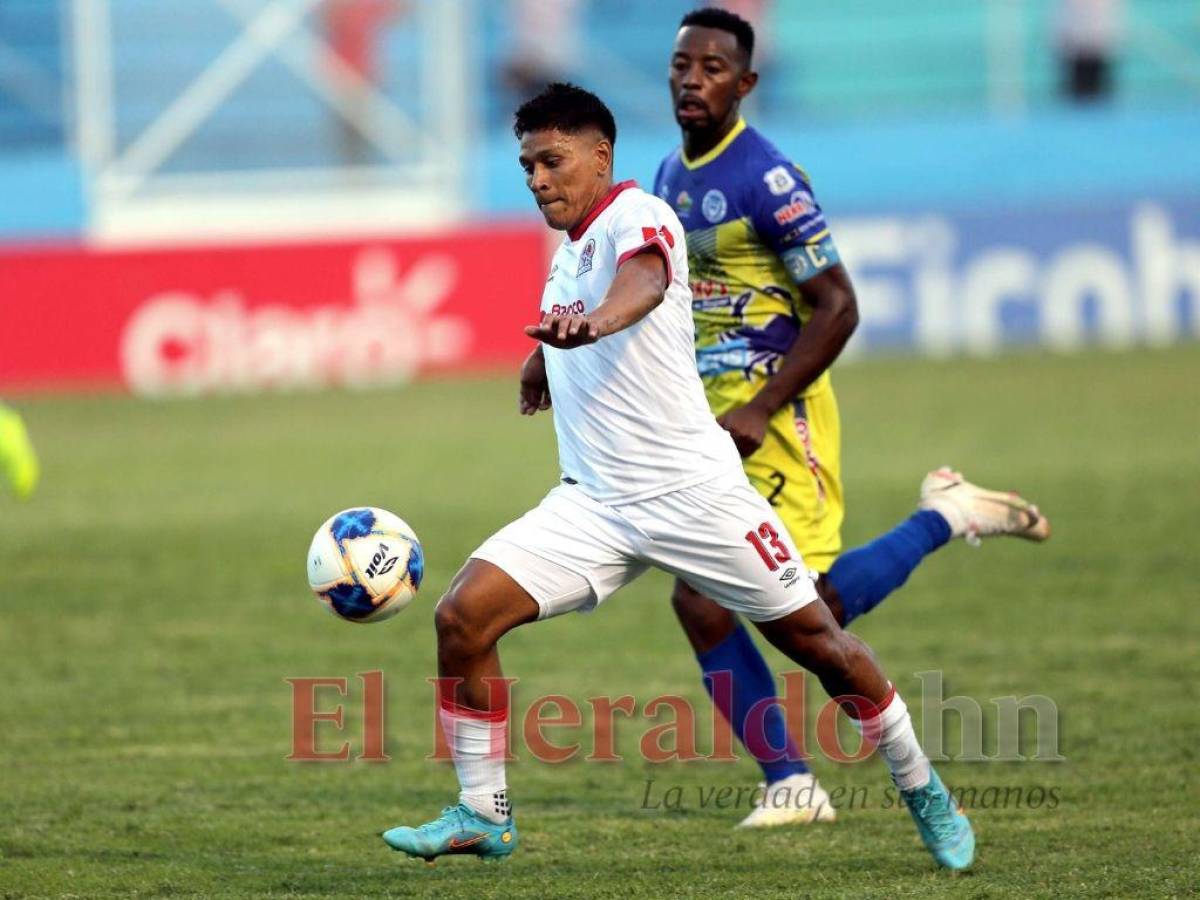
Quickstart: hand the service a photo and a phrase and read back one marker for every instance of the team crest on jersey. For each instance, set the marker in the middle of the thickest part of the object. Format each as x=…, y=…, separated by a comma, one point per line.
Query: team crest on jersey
x=779, y=180
x=714, y=206
x=799, y=205
x=585, y=258
x=683, y=204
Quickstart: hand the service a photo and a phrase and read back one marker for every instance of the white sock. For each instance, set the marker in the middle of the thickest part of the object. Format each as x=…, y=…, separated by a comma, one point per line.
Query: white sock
x=891, y=729
x=478, y=742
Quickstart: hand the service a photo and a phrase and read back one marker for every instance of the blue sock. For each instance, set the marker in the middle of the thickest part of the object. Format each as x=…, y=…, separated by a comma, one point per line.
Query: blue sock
x=747, y=681
x=865, y=575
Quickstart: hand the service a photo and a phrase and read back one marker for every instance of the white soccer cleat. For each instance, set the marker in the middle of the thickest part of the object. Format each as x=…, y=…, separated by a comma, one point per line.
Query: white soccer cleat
x=796, y=800
x=975, y=513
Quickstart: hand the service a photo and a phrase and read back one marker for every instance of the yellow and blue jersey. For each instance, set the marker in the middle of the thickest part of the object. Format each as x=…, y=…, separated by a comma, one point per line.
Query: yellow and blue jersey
x=755, y=233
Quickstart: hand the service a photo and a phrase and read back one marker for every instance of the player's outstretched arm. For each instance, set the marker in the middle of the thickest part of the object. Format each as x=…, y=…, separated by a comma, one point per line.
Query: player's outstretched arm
x=535, y=386
x=640, y=285
x=834, y=318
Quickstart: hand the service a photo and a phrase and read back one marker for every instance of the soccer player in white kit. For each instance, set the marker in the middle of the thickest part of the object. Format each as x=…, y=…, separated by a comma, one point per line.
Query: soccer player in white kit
x=648, y=479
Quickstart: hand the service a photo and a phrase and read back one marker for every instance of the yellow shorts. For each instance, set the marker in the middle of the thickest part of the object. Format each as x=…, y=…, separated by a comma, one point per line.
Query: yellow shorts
x=798, y=469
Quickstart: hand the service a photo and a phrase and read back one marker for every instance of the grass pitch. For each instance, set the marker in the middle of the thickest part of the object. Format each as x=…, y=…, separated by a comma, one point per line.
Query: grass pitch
x=152, y=602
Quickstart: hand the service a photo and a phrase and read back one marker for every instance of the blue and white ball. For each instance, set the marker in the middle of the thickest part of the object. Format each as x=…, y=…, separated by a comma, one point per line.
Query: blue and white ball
x=365, y=564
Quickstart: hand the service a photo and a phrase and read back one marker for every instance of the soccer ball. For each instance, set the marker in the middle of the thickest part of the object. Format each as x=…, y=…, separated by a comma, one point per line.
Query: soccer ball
x=365, y=564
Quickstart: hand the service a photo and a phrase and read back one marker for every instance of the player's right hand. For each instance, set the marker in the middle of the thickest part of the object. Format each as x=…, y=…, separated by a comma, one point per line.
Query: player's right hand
x=747, y=425
x=535, y=387
x=565, y=332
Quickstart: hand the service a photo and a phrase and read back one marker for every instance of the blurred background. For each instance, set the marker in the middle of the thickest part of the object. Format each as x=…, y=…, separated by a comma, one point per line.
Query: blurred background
x=1000, y=172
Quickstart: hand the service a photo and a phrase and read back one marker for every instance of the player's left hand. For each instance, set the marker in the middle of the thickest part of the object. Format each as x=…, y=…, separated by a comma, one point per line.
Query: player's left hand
x=534, y=395
x=565, y=332
x=747, y=425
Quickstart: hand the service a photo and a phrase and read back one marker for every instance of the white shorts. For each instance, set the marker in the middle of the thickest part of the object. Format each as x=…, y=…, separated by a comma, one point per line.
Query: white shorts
x=721, y=537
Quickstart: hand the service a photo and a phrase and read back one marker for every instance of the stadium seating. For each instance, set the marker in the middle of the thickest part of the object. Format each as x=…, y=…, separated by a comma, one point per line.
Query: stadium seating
x=868, y=60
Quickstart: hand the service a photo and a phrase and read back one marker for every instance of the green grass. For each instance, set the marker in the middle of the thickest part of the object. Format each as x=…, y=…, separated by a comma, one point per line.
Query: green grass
x=152, y=600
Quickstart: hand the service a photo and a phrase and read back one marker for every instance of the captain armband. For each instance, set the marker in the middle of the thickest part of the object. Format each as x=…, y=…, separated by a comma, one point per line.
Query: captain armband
x=811, y=259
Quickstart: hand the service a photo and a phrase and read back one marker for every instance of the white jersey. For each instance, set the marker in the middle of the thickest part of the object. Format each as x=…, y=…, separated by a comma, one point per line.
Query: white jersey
x=629, y=410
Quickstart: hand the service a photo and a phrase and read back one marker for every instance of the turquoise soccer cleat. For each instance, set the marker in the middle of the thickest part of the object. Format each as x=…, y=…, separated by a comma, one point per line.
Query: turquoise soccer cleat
x=459, y=830
x=943, y=827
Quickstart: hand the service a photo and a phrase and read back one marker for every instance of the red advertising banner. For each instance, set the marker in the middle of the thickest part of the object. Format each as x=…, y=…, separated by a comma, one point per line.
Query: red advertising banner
x=269, y=316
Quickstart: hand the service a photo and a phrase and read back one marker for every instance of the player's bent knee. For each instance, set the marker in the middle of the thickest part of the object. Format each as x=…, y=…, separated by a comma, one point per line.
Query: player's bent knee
x=478, y=609
x=462, y=620
x=452, y=619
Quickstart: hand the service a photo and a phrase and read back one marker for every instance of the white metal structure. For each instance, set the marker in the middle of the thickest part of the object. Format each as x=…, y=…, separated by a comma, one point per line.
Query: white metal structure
x=420, y=179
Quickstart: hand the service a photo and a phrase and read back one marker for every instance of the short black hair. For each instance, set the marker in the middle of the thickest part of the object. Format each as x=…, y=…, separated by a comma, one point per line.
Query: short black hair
x=724, y=20
x=568, y=108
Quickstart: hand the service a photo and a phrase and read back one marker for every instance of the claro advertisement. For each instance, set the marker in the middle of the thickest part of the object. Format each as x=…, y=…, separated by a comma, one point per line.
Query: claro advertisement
x=246, y=318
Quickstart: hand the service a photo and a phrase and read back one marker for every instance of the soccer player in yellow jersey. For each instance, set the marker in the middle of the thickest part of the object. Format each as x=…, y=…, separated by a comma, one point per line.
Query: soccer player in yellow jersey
x=773, y=307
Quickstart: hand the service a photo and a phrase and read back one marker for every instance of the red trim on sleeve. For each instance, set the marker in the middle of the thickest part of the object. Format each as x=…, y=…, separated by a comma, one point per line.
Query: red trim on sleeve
x=655, y=243
x=577, y=232
x=466, y=712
